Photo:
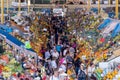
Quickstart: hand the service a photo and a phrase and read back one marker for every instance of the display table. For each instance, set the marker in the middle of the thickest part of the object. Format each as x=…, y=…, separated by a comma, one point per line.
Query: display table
x=19, y=27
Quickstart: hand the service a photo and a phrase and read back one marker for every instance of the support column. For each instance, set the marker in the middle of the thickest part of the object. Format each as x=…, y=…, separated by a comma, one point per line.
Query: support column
x=89, y=4
x=67, y=1
x=116, y=10
x=19, y=7
x=109, y=2
x=28, y=6
x=42, y=1
x=98, y=6
x=2, y=11
x=33, y=3
x=7, y=7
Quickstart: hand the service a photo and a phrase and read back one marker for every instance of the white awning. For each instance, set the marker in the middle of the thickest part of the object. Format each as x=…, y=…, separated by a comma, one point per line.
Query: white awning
x=16, y=4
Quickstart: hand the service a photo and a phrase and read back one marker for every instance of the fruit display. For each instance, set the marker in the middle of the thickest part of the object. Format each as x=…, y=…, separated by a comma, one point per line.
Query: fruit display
x=20, y=38
x=93, y=45
x=40, y=37
x=11, y=66
x=110, y=75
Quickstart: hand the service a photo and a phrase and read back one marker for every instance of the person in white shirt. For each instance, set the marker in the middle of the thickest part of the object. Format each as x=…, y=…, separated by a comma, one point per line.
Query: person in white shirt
x=62, y=74
x=53, y=64
x=52, y=39
x=55, y=54
x=65, y=52
x=55, y=76
x=27, y=28
x=91, y=69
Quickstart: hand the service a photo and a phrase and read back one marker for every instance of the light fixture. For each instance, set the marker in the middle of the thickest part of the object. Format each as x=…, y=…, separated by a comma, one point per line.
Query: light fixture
x=29, y=3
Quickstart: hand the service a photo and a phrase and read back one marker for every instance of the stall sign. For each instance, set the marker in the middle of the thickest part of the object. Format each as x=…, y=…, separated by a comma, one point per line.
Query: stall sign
x=15, y=4
x=58, y=11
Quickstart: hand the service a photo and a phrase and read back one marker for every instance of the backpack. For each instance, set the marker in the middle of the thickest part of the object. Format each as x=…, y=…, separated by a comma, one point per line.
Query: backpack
x=81, y=74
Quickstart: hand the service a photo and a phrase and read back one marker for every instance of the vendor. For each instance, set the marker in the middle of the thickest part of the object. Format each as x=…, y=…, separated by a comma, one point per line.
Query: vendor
x=25, y=64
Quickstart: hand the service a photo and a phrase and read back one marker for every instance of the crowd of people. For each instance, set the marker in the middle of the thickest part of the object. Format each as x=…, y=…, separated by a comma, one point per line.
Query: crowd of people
x=58, y=59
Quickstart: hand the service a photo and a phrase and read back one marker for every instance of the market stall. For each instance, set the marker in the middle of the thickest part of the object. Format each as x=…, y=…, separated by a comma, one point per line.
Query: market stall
x=16, y=43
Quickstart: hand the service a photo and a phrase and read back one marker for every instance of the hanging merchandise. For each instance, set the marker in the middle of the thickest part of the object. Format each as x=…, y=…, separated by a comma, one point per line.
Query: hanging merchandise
x=27, y=45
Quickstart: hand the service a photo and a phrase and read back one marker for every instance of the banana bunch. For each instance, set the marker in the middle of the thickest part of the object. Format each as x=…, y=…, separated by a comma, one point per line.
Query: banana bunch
x=108, y=76
x=99, y=59
x=119, y=78
x=7, y=69
x=12, y=61
x=116, y=38
x=6, y=74
x=111, y=75
x=104, y=56
x=95, y=61
x=22, y=40
x=40, y=40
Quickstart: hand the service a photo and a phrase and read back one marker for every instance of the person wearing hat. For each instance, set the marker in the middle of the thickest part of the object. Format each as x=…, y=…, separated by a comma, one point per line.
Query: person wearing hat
x=62, y=74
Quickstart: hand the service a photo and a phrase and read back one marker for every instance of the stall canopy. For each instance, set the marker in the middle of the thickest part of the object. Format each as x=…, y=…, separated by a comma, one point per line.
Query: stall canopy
x=109, y=28
x=15, y=4
x=116, y=30
x=6, y=28
x=104, y=24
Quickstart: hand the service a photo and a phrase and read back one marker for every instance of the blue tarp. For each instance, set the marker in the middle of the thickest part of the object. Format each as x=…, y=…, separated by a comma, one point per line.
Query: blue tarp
x=111, y=14
x=6, y=28
x=104, y=24
x=13, y=39
x=95, y=10
x=11, y=9
x=116, y=30
x=46, y=10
